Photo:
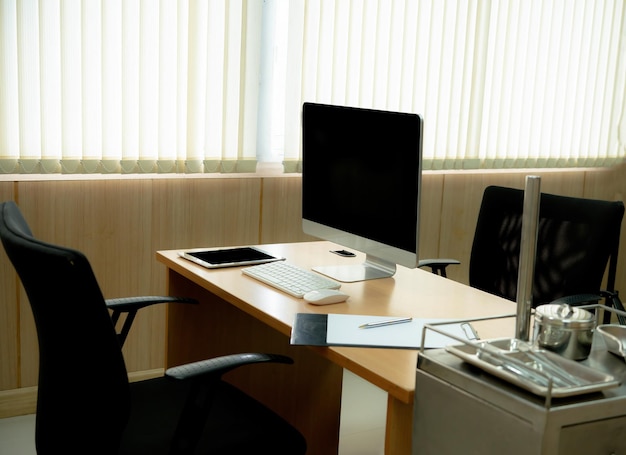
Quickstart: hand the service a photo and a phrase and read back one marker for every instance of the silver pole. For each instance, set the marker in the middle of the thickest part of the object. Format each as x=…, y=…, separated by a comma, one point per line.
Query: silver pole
x=528, y=250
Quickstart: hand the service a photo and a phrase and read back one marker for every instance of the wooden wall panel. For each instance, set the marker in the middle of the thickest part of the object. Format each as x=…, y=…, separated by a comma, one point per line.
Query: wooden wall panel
x=9, y=312
x=206, y=212
x=431, y=201
x=610, y=185
x=282, y=211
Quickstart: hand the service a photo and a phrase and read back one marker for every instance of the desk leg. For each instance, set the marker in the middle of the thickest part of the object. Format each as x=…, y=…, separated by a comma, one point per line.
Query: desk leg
x=399, y=429
x=307, y=394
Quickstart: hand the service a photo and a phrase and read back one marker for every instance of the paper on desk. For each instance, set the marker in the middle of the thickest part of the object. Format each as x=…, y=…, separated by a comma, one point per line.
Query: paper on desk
x=343, y=330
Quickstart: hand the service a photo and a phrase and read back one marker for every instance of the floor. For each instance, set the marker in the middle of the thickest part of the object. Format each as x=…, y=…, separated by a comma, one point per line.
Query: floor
x=362, y=423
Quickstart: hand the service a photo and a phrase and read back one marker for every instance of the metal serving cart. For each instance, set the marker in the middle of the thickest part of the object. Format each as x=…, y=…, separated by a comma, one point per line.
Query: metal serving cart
x=480, y=397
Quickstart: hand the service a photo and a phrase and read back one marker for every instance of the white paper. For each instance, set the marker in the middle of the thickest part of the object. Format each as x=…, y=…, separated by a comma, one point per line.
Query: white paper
x=344, y=330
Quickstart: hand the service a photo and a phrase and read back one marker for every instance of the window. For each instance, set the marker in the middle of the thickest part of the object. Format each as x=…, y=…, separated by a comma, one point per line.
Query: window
x=130, y=86
x=500, y=83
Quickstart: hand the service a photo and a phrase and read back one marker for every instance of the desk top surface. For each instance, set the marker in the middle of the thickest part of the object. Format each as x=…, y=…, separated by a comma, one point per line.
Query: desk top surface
x=410, y=292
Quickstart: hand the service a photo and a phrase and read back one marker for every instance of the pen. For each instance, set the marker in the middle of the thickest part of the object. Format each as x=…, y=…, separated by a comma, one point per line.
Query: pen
x=371, y=325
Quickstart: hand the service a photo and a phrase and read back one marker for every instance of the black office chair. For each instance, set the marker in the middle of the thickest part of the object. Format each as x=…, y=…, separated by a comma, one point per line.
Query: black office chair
x=576, y=240
x=85, y=403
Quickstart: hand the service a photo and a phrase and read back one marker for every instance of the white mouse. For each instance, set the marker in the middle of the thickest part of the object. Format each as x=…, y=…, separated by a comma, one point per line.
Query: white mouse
x=325, y=296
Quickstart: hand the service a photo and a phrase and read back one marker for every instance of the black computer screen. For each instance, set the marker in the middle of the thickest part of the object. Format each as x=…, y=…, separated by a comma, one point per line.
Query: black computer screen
x=361, y=172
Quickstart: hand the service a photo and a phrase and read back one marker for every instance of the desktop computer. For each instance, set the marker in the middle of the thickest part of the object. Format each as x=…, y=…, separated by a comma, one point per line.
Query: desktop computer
x=361, y=178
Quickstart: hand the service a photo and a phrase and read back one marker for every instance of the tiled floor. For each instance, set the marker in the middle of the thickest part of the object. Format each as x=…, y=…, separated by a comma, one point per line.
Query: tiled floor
x=362, y=423
x=17, y=435
x=363, y=417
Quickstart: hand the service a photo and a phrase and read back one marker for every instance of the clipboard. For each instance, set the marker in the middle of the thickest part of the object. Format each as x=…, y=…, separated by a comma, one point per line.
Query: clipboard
x=311, y=329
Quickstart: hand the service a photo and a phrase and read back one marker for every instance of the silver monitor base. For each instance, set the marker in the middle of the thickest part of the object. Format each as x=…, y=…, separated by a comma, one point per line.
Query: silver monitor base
x=371, y=269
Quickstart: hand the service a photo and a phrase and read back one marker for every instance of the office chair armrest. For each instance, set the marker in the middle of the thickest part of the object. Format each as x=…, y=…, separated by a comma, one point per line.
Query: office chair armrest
x=131, y=305
x=578, y=299
x=126, y=304
x=437, y=266
x=217, y=366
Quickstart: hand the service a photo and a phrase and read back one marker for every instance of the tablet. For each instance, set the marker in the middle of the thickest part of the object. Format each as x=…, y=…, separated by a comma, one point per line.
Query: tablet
x=229, y=257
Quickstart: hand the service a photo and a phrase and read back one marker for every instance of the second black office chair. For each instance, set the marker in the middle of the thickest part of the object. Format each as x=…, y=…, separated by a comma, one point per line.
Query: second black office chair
x=576, y=240
x=85, y=403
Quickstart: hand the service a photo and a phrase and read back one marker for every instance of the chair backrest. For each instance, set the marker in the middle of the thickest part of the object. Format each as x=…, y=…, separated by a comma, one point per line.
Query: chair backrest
x=83, y=392
x=576, y=239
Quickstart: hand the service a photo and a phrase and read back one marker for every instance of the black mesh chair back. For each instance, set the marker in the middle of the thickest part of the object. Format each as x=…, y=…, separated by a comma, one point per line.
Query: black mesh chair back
x=577, y=239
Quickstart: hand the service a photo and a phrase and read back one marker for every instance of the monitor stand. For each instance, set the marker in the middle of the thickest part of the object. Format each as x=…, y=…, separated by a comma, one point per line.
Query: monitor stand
x=373, y=268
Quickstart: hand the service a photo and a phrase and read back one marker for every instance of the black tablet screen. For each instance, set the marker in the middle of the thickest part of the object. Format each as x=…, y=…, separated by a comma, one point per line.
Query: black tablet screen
x=231, y=255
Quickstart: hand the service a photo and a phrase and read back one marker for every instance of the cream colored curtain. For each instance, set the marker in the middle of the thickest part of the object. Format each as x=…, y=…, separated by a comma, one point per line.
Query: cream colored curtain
x=128, y=86
x=500, y=84
x=143, y=86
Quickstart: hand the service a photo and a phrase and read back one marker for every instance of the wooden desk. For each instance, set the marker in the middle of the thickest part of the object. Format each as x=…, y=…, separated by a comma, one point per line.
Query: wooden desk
x=240, y=314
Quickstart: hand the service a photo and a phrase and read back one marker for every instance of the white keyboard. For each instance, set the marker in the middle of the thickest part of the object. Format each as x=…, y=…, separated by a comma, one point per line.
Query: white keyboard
x=289, y=278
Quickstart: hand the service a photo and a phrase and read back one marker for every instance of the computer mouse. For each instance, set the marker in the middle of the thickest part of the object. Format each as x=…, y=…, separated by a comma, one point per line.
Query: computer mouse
x=325, y=297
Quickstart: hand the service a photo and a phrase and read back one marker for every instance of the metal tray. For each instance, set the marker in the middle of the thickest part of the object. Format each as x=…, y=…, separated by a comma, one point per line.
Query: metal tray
x=541, y=372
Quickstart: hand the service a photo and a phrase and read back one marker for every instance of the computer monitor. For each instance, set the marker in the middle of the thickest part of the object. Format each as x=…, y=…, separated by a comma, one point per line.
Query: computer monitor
x=361, y=177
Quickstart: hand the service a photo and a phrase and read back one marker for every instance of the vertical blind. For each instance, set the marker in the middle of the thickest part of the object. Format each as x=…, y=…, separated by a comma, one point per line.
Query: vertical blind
x=142, y=86
x=130, y=86
x=499, y=83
